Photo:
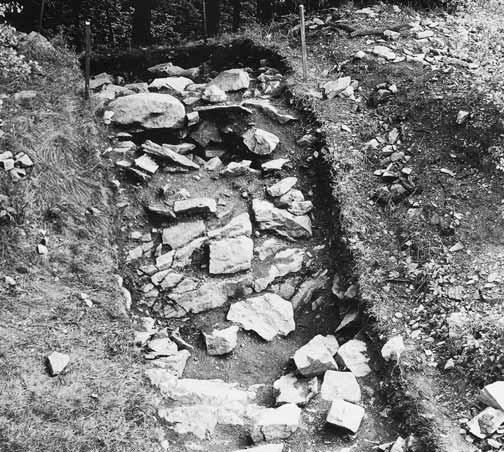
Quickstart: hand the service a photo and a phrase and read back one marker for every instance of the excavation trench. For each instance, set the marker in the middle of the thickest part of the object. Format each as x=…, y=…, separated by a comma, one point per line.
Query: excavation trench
x=254, y=361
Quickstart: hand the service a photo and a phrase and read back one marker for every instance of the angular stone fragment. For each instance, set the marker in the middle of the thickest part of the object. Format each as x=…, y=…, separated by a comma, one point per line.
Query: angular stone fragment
x=274, y=165
x=275, y=423
x=493, y=395
x=308, y=288
x=174, y=364
x=221, y=341
x=270, y=110
x=206, y=133
x=290, y=389
x=340, y=385
x=57, y=362
x=146, y=164
x=195, y=205
x=239, y=225
x=182, y=233
x=174, y=85
x=208, y=296
x=267, y=315
x=183, y=255
x=157, y=150
x=393, y=348
x=284, y=262
x=165, y=261
x=288, y=198
x=260, y=142
x=171, y=70
x=314, y=358
x=235, y=169
x=161, y=347
x=384, y=52
x=214, y=94
x=171, y=280
x=282, y=222
x=345, y=415
x=265, y=448
x=213, y=164
x=281, y=187
x=354, y=355
x=231, y=80
x=161, y=210
x=486, y=423
x=231, y=255
x=300, y=207
x=166, y=153
x=149, y=110
x=335, y=87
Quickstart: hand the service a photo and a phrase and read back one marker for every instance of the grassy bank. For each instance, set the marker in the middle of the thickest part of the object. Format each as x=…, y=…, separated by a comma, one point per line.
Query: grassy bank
x=99, y=401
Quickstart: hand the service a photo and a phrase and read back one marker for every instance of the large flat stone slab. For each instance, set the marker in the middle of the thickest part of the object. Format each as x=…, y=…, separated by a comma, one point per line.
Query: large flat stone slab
x=284, y=262
x=231, y=80
x=268, y=217
x=268, y=315
x=148, y=110
x=231, y=255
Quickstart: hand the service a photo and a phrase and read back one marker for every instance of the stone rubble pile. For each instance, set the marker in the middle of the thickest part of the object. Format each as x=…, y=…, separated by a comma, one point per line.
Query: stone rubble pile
x=202, y=255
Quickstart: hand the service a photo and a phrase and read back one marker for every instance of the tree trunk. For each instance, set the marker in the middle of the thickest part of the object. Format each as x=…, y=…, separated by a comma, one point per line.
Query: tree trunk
x=265, y=10
x=236, y=14
x=142, y=16
x=213, y=16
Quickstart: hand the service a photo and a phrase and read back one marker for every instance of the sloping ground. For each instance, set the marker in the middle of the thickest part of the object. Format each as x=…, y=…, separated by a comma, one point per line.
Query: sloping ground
x=98, y=402
x=430, y=248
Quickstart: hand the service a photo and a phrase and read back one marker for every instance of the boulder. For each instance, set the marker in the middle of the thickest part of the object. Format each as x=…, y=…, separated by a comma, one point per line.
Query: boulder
x=314, y=358
x=221, y=341
x=183, y=255
x=195, y=206
x=239, y=225
x=268, y=315
x=183, y=233
x=213, y=164
x=340, y=385
x=231, y=80
x=231, y=255
x=281, y=187
x=175, y=85
x=282, y=222
x=345, y=415
x=148, y=110
x=165, y=261
x=275, y=423
x=259, y=141
x=354, y=355
x=57, y=363
x=35, y=42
